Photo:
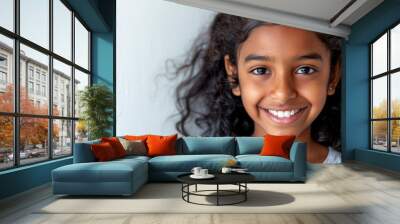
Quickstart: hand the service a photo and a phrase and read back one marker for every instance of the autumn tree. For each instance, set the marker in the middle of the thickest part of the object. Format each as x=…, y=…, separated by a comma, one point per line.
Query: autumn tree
x=33, y=131
x=380, y=127
x=6, y=122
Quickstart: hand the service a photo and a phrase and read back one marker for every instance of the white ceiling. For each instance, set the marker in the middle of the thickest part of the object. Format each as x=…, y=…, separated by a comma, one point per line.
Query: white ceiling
x=312, y=8
x=327, y=16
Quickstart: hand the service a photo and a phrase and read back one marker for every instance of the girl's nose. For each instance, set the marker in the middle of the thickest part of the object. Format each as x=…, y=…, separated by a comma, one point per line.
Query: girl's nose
x=283, y=88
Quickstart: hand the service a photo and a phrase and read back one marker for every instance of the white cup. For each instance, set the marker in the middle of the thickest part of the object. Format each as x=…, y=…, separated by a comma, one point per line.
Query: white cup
x=226, y=170
x=203, y=172
x=196, y=170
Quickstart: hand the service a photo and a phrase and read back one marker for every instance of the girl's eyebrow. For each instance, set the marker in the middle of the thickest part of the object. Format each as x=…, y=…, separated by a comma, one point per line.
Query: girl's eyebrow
x=310, y=56
x=256, y=57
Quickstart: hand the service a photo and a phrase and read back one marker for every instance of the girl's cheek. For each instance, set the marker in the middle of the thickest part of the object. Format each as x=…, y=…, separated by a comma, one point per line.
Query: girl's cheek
x=252, y=94
x=314, y=95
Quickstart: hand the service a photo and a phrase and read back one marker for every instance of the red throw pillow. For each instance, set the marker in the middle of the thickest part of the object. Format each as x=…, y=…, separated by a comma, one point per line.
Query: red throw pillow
x=103, y=151
x=277, y=145
x=116, y=145
x=161, y=145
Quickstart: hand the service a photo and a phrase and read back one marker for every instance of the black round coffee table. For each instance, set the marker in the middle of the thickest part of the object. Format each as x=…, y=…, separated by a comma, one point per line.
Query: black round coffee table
x=238, y=179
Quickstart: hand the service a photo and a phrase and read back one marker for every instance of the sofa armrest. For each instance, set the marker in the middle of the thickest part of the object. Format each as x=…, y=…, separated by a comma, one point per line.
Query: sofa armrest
x=83, y=152
x=298, y=155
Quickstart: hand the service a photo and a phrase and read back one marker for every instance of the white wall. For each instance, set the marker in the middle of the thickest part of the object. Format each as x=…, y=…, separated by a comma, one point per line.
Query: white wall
x=148, y=33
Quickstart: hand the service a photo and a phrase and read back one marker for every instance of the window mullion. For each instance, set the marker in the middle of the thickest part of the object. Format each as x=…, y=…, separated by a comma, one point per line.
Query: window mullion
x=73, y=82
x=389, y=95
x=50, y=77
x=371, y=89
x=16, y=83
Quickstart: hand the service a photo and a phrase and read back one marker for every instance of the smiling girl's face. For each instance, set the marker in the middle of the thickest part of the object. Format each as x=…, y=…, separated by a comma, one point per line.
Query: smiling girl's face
x=284, y=78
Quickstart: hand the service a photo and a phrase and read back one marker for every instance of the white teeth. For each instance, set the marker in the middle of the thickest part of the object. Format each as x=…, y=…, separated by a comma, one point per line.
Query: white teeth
x=283, y=113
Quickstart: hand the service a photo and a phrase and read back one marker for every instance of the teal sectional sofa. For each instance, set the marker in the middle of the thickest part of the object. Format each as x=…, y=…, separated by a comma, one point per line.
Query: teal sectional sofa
x=125, y=176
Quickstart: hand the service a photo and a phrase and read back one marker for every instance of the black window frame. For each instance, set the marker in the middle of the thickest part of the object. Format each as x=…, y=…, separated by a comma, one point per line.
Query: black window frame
x=388, y=74
x=16, y=115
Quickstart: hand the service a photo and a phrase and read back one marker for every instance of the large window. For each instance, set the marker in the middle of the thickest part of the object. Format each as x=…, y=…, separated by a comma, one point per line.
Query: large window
x=44, y=64
x=385, y=91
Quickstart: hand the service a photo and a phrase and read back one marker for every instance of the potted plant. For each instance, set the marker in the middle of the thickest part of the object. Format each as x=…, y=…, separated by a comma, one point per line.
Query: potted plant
x=97, y=106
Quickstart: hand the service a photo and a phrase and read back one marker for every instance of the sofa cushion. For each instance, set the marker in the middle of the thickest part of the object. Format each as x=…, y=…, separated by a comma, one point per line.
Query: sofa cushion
x=249, y=145
x=83, y=152
x=111, y=171
x=159, y=145
x=206, y=145
x=257, y=163
x=103, y=152
x=185, y=163
x=116, y=145
x=134, y=147
x=277, y=145
x=136, y=137
x=132, y=158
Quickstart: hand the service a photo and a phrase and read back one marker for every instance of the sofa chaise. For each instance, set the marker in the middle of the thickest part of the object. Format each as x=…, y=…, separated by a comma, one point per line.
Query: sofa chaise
x=126, y=175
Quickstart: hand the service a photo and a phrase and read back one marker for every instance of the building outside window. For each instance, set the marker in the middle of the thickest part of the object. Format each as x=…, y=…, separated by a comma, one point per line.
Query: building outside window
x=44, y=77
x=38, y=89
x=37, y=74
x=3, y=78
x=3, y=61
x=43, y=90
x=30, y=72
x=30, y=87
x=3, y=72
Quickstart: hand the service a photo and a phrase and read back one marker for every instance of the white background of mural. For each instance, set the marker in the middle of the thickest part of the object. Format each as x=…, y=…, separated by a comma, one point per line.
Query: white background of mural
x=149, y=33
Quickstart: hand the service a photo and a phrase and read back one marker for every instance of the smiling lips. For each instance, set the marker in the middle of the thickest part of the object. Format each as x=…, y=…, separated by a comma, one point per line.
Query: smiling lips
x=284, y=116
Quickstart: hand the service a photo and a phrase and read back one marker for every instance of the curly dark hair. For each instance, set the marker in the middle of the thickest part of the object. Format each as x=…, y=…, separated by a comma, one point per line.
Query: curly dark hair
x=204, y=95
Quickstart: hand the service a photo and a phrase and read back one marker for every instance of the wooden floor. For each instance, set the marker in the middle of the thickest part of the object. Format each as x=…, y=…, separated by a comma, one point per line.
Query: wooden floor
x=377, y=188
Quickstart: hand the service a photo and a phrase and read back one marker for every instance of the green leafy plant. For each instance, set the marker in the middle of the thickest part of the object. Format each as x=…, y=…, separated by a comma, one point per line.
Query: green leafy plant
x=97, y=106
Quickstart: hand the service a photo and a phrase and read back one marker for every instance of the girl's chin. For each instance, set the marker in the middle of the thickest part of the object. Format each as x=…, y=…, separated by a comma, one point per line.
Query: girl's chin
x=282, y=133
x=277, y=132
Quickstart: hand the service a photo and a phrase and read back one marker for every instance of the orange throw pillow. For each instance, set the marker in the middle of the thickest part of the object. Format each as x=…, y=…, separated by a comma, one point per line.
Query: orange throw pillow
x=277, y=146
x=103, y=152
x=116, y=145
x=161, y=145
x=136, y=137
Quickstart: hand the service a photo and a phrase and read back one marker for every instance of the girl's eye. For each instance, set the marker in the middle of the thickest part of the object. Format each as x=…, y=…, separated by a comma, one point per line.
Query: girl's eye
x=260, y=71
x=305, y=70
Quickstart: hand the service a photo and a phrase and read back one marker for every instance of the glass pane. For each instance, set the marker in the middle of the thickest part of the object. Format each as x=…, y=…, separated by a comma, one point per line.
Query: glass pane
x=395, y=138
x=6, y=142
x=81, y=45
x=379, y=55
x=81, y=81
x=35, y=21
x=62, y=138
x=379, y=97
x=81, y=131
x=7, y=14
x=62, y=29
x=395, y=47
x=33, y=139
x=379, y=135
x=34, y=81
x=62, y=89
x=395, y=94
x=6, y=74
